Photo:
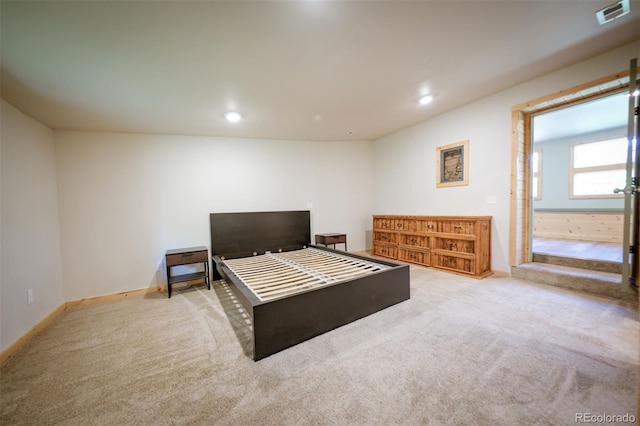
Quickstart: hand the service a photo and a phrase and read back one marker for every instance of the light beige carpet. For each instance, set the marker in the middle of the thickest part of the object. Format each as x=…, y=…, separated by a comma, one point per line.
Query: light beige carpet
x=497, y=351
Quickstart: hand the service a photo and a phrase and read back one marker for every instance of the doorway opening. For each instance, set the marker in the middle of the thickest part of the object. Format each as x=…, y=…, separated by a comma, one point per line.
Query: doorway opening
x=522, y=175
x=579, y=158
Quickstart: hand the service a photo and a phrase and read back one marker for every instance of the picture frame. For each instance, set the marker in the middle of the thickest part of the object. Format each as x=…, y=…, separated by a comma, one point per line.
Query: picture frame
x=452, y=166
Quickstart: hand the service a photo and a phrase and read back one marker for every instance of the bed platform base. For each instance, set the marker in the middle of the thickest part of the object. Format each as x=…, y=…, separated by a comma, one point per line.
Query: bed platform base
x=296, y=308
x=281, y=323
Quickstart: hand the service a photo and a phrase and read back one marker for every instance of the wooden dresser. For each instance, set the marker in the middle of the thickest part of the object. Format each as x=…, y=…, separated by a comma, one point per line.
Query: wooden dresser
x=460, y=244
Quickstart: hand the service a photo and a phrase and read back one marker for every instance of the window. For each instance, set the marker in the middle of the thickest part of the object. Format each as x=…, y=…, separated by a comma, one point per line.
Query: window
x=536, y=169
x=597, y=168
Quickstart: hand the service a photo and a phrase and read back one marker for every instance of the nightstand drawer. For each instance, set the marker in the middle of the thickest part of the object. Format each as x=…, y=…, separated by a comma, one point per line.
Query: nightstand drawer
x=334, y=239
x=186, y=258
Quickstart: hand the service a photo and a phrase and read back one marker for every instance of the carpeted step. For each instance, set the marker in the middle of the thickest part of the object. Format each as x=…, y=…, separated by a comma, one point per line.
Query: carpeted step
x=595, y=282
x=591, y=264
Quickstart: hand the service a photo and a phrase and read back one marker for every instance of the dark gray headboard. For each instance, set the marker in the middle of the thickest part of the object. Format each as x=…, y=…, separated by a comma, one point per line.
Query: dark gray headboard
x=243, y=234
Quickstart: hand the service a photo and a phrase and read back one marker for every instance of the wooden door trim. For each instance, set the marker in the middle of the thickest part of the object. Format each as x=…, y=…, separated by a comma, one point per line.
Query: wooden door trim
x=520, y=217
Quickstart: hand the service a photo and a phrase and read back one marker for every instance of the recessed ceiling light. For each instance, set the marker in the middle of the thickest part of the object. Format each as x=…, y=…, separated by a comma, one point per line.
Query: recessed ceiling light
x=232, y=116
x=425, y=99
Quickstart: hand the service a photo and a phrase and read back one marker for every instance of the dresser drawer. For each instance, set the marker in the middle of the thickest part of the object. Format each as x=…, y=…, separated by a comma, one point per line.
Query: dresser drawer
x=384, y=223
x=458, y=264
x=405, y=225
x=188, y=257
x=385, y=250
x=414, y=240
x=453, y=244
x=385, y=237
x=413, y=256
x=425, y=225
x=464, y=227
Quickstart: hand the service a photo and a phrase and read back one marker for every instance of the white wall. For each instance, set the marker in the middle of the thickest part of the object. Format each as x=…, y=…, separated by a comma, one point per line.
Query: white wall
x=30, y=240
x=556, y=173
x=125, y=199
x=405, y=162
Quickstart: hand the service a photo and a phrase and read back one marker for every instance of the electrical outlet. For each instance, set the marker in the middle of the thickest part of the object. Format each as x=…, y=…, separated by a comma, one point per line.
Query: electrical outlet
x=491, y=199
x=29, y=296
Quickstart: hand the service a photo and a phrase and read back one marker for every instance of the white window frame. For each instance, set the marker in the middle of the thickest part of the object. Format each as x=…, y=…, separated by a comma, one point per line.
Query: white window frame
x=577, y=170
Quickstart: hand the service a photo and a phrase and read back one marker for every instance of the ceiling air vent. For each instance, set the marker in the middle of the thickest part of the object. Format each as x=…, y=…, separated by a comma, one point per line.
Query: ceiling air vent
x=613, y=11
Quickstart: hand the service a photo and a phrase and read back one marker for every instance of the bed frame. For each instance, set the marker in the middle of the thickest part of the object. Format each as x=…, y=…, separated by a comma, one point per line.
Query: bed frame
x=286, y=321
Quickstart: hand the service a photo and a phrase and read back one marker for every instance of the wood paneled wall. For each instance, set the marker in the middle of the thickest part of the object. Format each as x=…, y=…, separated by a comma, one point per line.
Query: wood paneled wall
x=579, y=225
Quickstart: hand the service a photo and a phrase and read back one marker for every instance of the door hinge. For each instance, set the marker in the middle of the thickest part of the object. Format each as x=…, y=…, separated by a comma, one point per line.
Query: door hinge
x=632, y=249
x=634, y=181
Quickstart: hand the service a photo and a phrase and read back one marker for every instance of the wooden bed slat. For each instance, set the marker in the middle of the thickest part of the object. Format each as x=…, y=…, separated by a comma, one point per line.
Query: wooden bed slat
x=274, y=274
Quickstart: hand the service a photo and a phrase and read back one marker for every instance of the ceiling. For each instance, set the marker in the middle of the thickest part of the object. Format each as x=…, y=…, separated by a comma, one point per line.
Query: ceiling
x=609, y=112
x=298, y=69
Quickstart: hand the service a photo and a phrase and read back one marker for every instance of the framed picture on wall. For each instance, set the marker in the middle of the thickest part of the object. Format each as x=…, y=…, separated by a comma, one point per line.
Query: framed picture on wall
x=453, y=164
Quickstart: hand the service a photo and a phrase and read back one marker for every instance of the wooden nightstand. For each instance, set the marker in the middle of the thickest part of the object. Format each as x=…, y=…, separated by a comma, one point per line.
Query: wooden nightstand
x=326, y=239
x=187, y=256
